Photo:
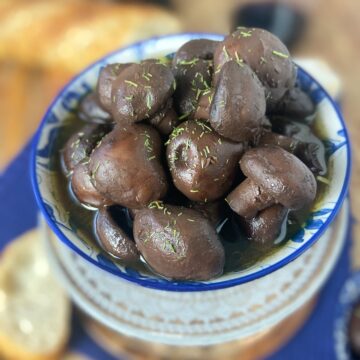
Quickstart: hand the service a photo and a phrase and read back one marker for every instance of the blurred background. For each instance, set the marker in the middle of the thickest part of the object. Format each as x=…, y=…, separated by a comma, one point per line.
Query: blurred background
x=44, y=43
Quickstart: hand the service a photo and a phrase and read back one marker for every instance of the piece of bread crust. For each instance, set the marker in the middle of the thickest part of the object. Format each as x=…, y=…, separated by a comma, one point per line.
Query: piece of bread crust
x=34, y=310
x=70, y=34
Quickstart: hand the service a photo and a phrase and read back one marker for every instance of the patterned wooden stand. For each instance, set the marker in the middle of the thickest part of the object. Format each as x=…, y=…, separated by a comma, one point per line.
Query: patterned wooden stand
x=255, y=347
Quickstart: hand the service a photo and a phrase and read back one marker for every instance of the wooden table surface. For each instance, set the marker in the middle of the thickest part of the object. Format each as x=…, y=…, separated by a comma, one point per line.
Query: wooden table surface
x=333, y=34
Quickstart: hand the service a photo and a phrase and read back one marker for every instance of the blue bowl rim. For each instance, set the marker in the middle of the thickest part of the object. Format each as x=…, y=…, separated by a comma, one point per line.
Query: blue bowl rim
x=185, y=286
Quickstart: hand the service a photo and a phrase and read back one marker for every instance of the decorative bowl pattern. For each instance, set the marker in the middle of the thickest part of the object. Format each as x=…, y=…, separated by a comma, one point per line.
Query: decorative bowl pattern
x=328, y=118
x=195, y=318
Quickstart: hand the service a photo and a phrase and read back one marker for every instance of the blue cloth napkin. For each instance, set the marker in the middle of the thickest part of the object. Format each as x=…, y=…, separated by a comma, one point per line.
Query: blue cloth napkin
x=18, y=213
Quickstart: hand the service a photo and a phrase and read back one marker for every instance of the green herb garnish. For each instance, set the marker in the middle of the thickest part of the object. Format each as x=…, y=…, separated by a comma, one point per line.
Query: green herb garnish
x=280, y=54
x=149, y=100
x=131, y=83
x=323, y=180
x=226, y=53
x=245, y=34
x=189, y=62
x=156, y=205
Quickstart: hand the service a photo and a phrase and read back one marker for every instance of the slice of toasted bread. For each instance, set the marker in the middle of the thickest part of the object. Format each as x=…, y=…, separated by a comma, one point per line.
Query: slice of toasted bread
x=34, y=310
x=70, y=34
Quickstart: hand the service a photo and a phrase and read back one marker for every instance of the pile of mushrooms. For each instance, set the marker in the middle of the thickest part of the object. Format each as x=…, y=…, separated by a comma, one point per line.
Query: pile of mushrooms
x=172, y=139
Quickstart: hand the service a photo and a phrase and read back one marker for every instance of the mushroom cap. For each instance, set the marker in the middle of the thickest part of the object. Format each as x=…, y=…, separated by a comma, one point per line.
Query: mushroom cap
x=126, y=166
x=104, y=86
x=83, y=188
x=192, y=78
x=140, y=91
x=267, y=56
x=281, y=174
x=197, y=48
x=202, y=163
x=238, y=105
x=166, y=119
x=91, y=111
x=295, y=103
x=80, y=144
x=178, y=242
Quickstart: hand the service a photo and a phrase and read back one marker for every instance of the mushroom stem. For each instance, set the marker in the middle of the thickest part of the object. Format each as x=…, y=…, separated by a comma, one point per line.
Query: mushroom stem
x=267, y=225
x=247, y=199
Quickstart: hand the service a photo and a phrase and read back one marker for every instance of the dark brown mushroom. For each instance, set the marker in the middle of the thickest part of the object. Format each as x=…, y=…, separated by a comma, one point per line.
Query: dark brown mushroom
x=91, y=111
x=312, y=150
x=306, y=152
x=198, y=48
x=274, y=176
x=296, y=104
x=202, y=163
x=126, y=166
x=266, y=226
x=166, y=120
x=238, y=105
x=202, y=111
x=192, y=78
x=140, y=91
x=266, y=55
x=104, y=85
x=178, y=243
x=80, y=144
x=273, y=139
x=213, y=211
x=83, y=188
x=113, y=238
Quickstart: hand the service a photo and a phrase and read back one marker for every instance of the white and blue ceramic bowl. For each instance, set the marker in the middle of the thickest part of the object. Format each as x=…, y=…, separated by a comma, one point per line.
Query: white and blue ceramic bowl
x=328, y=119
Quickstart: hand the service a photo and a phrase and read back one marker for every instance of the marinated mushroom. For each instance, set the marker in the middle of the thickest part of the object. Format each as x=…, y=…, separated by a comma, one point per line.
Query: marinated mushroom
x=126, y=166
x=214, y=105
x=305, y=151
x=273, y=139
x=178, y=243
x=274, y=176
x=198, y=48
x=202, y=111
x=266, y=55
x=296, y=104
x=91, y=111
x=104, y=86
x=140, y=91
x=266, y=226
x=166, y=120
x=202, y=163
x=83, y=188
x=238, y=105
x=112, y=237
x=193, y=77
x=313, y=155
x=80, y=145
x=213, y=211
